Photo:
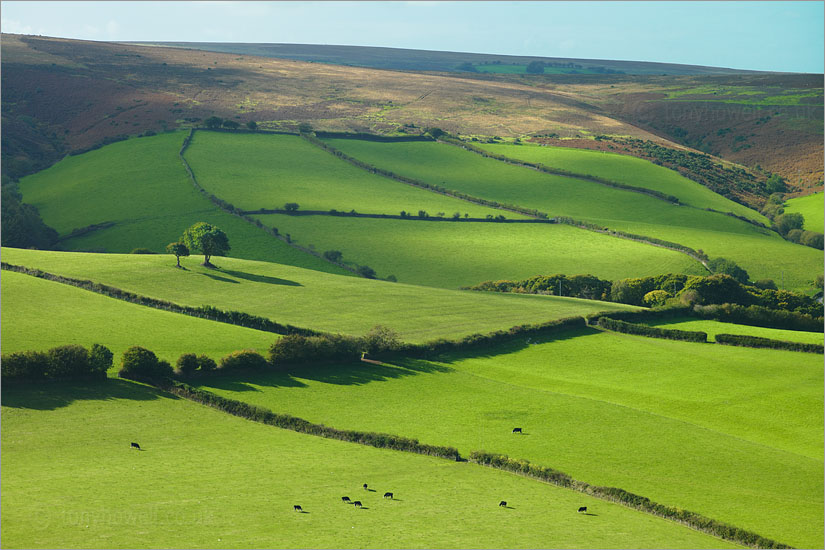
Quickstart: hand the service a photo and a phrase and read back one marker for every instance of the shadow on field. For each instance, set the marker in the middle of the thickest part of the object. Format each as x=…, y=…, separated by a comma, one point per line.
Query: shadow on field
x=260, y=278
x=517, y=344
x=219, y=278
x=238, y=382
x=348, y=374
x=48, y=396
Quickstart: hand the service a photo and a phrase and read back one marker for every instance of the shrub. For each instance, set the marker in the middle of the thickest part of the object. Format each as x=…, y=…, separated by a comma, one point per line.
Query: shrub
x=381, y=338
x=812, y=239
x=206, y=363
x=728, y=267
x=656, y=298
x=24, y=365
x=68, y=361
x=333, y=255
x=142, y=364
x=100, y=359
x=295, y=348
x=291, y=206
x=186, y=364
x=243, y=360
x=366, y=271
x=765, y=284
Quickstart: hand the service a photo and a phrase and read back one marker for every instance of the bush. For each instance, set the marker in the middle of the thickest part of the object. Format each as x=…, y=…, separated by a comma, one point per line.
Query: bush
x=656, y=298
x=142, y=364
x=206, y=363
x=381, y=338
x=100, y=359
x=812, y=239
x=333, y=255
x=186, y=364
x=243, y=360
x=366, y=271
x=24, y=365
x=291, y=206
x=728, y=267
x=765, y=284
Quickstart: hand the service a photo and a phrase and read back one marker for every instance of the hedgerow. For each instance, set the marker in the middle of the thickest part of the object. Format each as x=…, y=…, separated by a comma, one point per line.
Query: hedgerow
x=652, y=332
x=70, y=362
x=759, y=342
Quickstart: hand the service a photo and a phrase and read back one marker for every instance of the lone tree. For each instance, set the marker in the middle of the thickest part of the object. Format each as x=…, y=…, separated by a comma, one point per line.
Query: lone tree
x=210, y=240
x=213, y=122
x=178, y=249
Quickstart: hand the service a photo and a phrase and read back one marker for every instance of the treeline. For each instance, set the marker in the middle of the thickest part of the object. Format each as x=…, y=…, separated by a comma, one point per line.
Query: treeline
x=20, y=224
x=560, y=172
x=239, y=318
x=759, y=342
x=404, y=215
x=371, y=137
x=614, y=494
x=652, y=332
x=417, y=183
x=61, y=363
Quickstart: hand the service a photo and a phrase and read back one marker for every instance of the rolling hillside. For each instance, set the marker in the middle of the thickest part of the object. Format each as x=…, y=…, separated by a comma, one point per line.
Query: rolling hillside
x=308, y=298
x=812, y=207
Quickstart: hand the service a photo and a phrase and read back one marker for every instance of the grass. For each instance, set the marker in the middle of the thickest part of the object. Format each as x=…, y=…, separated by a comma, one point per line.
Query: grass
x=712, y=328
x=761, y=252
x=309, y=298
x=142, y=186
x=811, y=207
x=628, y=170
x=455, y=254
x=206, y=479
x=732, y=433
x=254, y=171
x=39, y=314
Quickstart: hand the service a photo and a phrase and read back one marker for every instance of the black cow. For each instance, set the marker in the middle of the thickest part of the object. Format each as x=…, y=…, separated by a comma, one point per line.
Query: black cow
x=357, y=503
x=135, y=446
x=503, y=504
x=583, y=509
x=345, y=499
x=388, y=495
x=517, y=430
x=365, y=486
x=297, y=508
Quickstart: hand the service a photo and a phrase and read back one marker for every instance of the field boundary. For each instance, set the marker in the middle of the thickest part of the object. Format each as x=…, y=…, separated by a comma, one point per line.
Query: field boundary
x=408, y=217
x=231, y=209
x=615, y=495
x=210, y=313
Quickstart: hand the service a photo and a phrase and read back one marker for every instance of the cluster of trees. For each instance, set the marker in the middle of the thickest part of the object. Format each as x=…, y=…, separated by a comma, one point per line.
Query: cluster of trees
x=789, y=225
x=214, y=122
x=22, y=226
x=204, y=237
x=69, y=362
x=667, y=289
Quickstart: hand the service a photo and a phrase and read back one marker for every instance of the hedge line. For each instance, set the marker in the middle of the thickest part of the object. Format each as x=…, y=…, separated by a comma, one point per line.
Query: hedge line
x=759, y=316
x=696, y=255
x=371, y=137
x=652, y=332
x=70, y=362
x=643, y=314
x=265, y=416
x=424, y=185
x=758, y=342
x=204, y=312
x=410, y=216
x=559, y=172
x=692, y=519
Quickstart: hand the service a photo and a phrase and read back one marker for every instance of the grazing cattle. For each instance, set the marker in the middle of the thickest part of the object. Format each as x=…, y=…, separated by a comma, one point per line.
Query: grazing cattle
x=365, y=486
x=357, y=503
x=345, y=499
x=503, y=504
x=388, y=495
x=517, y=430
x=583, y=509
x=135, y=446
x=297, y=508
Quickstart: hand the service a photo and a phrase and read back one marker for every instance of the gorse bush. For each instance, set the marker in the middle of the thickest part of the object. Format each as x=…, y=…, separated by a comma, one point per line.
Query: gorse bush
x=71, y=362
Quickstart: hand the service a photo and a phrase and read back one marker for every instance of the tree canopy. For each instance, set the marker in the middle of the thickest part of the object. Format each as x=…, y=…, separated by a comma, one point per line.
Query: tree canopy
x=208, y=239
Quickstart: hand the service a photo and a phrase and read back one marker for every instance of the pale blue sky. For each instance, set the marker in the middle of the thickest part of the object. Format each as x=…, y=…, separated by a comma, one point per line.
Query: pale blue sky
x=774, y=36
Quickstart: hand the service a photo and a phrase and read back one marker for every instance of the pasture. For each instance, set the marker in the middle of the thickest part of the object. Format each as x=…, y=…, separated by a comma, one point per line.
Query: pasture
x=627, y=170
x=811, y=207
x=207, y=479
x=454, y=254
x=309, y=298
x=712, y=328
x=254, y=171
x=763, y=253
x=39, y=314
x=732, y=433
x=142, y=186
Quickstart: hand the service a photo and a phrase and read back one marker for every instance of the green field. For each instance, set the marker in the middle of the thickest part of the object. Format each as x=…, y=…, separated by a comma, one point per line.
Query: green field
x=811, y=207
x=206, y=479
x=732, y=433
x=309, y=298
x=628, y=170
x=712, y=328
x=763, y=253
x=254, y=171
x=39, y=314
x=455, y=254
x=141, y=185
